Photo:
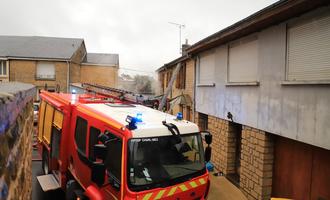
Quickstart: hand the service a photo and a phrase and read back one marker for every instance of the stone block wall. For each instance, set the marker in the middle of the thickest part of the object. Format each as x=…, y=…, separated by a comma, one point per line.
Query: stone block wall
x=16, y=131
x=257, y=159
x=223, y=144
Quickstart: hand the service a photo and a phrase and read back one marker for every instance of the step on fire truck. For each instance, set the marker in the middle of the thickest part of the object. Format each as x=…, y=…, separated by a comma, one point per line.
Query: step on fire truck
x=97, y=147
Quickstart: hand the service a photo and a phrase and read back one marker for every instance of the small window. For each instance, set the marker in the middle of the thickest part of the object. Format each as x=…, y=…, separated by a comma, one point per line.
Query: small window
x=203, y=121
x=114, y=157
x=93, y=139
x=168, y=77
x=45, y=70
x=80, y=134
x=188, y=108
x=3, y=68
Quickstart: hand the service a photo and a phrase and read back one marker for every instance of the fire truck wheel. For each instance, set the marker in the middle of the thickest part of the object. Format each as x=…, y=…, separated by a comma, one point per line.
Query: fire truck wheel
x=71, y=188
x=45, y=162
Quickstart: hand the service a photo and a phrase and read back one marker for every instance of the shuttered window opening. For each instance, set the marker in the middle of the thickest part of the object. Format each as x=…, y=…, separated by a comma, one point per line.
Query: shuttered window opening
x=207, y=69
x=45, y=70
x=243, y=60
x=308, y=50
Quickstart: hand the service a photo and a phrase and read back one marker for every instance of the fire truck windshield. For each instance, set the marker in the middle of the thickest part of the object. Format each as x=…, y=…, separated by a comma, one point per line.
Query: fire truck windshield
x=162, y=161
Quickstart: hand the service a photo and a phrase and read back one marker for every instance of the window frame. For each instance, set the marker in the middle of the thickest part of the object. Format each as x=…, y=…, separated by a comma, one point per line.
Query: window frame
x=91, y=138
x=120, y=155
x=4, y=67
x=305, y=19
x=236, y=43
x=83, y=140
x=37, y=75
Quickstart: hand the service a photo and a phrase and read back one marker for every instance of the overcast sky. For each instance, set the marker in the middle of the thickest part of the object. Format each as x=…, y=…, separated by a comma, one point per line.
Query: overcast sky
x=138, y=30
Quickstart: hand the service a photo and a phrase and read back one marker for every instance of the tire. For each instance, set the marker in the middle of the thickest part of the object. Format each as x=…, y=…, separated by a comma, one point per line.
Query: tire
x=45, y=162
x=71, y=187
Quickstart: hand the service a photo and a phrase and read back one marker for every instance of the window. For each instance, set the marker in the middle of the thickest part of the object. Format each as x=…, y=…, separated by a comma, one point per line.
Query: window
x=114, y=157
x=181, y=78
x=243, y=60
x=203, y=121
x=308, y=47
x=188, y=113
x=168, y=77
x=45, y=70
x=162, y=79
x=206, y=69
x=80, y=134
x=3, y=68
x=93, y=139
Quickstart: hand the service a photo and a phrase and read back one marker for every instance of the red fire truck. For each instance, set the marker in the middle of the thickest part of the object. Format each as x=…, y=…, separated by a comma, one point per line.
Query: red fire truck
x=97, y=147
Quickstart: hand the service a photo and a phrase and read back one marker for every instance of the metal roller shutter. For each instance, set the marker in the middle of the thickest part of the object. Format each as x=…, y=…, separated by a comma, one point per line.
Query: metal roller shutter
x=207, y=68
x=309, y=50
x=243, y=60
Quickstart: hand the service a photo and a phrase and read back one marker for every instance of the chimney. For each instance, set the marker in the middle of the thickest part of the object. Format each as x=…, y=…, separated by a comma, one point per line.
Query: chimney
x=184, y=47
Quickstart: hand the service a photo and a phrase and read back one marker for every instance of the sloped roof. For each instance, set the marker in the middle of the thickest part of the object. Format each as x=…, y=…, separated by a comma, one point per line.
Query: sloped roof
x=268, y=16
x=102, y=59
x=37, y=47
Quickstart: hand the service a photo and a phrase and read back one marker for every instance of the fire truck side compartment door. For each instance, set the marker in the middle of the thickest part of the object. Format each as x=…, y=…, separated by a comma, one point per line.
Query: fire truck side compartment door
x=48, y=182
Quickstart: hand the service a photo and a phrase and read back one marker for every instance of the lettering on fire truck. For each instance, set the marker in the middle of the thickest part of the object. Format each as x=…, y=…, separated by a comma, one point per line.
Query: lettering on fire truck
x=97, y=147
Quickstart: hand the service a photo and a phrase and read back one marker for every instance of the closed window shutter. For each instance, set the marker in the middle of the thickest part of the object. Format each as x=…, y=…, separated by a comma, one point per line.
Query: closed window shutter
x=207, y=68
x=308, y=50
x=45, y=70
x=243, y=61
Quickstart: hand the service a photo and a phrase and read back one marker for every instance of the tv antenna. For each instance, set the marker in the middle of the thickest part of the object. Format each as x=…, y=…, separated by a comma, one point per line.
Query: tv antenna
x=180, y=26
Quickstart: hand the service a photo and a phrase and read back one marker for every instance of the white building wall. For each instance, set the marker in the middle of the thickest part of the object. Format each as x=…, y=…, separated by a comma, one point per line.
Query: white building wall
x=299, y=112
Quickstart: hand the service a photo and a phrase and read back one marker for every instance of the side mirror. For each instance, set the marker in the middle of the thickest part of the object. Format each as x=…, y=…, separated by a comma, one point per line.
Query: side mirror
x=98, y=173
x=208, y=151
x=100, y=151
x=207, y=136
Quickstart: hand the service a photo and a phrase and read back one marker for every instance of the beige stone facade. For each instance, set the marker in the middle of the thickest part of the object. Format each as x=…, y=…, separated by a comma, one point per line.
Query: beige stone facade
x=256, y=154
x=102, y=75
x=257, y=159
x=178, y=89
x=26, y=71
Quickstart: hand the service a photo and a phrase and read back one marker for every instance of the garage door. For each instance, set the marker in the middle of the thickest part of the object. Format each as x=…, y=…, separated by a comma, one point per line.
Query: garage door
x=301, y=171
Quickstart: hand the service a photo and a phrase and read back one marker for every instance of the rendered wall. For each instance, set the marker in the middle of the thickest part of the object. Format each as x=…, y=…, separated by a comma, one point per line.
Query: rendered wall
x=16, y=129
x=299, y=112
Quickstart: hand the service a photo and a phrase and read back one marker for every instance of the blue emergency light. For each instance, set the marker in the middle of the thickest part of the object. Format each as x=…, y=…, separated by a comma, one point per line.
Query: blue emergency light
x=179, y=116
x=132, y=121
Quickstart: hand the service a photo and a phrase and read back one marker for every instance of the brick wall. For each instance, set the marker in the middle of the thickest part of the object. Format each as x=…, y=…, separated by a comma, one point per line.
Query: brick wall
x=256, y=163
x=16, y=129
x=25, y=71
x=223, y=145
x=102, y=75
x=189, y=87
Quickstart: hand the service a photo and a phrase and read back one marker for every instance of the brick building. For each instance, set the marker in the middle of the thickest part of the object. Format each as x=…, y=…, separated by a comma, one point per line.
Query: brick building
x=54, y=62
x=262, y=87
x=182, y=91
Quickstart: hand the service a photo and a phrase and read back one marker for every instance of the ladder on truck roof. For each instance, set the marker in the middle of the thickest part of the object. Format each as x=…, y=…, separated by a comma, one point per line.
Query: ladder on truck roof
x=123, y=95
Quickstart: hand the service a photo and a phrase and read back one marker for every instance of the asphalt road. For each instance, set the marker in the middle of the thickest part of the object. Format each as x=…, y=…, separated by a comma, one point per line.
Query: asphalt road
x=37, y=193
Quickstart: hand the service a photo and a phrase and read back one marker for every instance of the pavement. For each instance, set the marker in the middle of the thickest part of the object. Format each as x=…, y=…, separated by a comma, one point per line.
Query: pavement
x=222, y=189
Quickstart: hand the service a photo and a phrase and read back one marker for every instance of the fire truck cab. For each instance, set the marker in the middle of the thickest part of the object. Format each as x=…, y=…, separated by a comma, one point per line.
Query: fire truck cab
x=96, y=147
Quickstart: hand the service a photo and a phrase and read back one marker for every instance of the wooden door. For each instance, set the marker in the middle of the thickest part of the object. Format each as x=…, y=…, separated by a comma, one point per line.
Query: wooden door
x=301, y=171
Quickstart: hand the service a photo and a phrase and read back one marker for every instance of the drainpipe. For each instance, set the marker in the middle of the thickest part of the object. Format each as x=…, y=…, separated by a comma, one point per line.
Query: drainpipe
x=68, y=77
